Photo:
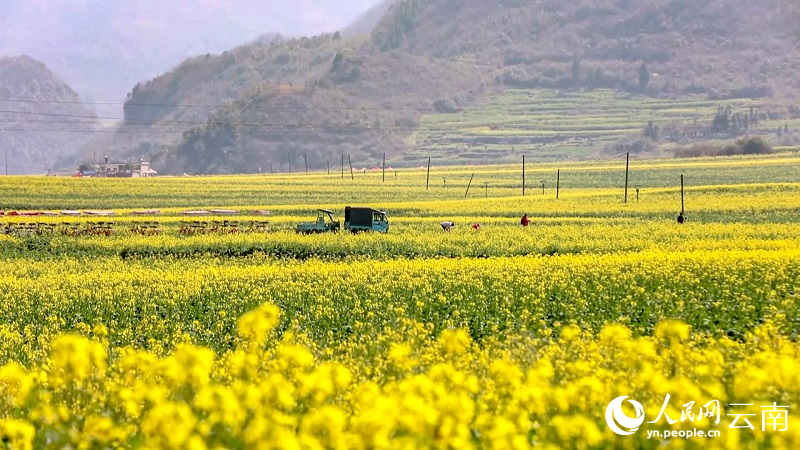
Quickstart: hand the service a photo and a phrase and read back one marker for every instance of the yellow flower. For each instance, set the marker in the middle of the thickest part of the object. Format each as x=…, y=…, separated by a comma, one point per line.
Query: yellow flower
x=400, y=355
x=100, y=330
x=15, y=384
x=615, y=334
x=17, y=434
x=455, y=342
x=570, y=333
x=256, y=325
x=170, y=425
x=674, y=331
x=188, y=364
x=74, y=359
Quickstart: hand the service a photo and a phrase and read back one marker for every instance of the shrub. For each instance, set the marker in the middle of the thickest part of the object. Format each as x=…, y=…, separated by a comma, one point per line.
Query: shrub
x=754, y=145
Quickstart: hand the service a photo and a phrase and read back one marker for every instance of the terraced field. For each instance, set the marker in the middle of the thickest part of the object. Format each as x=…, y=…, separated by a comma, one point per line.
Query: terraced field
x=551, y=125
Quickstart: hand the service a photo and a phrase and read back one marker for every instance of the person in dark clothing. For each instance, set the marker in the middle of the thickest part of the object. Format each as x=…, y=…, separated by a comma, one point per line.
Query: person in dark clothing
x=525, y=221
x=681, y=219
x=446, y=226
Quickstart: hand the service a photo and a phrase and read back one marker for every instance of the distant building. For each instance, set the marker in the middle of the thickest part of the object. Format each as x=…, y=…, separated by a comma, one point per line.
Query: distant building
x=121, y=170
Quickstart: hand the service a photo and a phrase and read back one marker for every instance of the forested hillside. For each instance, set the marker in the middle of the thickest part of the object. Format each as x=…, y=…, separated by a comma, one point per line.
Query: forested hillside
x=272, y=101
x=50, y=122
x=102, y=48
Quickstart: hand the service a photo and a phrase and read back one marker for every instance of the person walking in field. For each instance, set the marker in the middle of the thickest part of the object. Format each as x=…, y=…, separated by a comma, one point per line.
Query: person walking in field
x=525, y=221
x=447, y=225
x=681, y=219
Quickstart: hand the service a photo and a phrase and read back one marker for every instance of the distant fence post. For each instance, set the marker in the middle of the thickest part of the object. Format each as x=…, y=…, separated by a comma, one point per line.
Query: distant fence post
x=682, y=210
x=343, y=166
x=627, y=163
x=384, y=167
x=428, y=178
x=305, y=161
x=558, y=182
x=469, y=184
x=328, y=164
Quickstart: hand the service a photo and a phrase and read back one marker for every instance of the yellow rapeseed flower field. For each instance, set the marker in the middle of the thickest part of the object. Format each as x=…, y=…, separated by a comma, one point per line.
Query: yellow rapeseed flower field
x=601, y=325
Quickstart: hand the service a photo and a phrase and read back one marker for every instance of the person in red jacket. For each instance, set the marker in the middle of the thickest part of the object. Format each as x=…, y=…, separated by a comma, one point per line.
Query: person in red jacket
x=525, y=221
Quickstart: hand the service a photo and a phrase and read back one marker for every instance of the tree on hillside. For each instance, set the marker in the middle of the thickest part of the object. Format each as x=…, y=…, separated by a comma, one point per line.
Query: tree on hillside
x=576, y=71
x=644, y=77
x=402, y=19
x=721, y=123
x=652, y=131
x=336, y=64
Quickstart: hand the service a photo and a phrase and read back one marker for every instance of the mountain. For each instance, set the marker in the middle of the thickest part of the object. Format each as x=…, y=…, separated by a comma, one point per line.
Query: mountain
x=277, y=103
x=367, y=22
x=103, y=48
x=49, y=123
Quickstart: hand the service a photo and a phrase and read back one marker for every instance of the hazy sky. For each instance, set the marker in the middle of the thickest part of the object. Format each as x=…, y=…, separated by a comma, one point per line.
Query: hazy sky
x=103, y=47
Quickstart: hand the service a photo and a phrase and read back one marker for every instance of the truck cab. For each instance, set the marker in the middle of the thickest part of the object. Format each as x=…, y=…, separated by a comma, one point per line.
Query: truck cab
x=326, y=222
x=358, y=219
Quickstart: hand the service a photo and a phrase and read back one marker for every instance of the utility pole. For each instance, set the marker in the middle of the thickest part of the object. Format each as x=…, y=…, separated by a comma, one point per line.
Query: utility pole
x=350, y=163
x=558, y=182
x=428, y=178
x=523, y=175
x=627, y=161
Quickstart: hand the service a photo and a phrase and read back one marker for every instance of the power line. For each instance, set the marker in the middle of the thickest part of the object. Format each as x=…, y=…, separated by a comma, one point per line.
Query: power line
x=232, y=102
x=217, y=106
x=42, y=130
x=299, y=127
x=280, y=126
x=26, y=167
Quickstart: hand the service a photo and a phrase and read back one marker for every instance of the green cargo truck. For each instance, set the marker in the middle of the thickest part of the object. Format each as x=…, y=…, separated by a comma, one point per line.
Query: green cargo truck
x=357, y=220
